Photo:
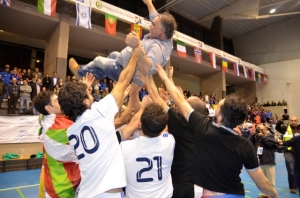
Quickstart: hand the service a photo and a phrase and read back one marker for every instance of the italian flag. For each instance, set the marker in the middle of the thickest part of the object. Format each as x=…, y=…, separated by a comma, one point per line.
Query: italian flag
x=47, y=7
x=181, y=50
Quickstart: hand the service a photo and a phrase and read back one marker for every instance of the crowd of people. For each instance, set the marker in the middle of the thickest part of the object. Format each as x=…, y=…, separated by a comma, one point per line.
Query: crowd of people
x=19, y=87
x=127, y=137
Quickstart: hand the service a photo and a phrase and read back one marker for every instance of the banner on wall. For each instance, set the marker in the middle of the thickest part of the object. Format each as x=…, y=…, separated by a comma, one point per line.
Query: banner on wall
x=19, y=129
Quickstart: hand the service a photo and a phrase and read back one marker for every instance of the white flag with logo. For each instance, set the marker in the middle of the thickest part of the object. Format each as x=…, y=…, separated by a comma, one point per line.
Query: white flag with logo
x=83, y=15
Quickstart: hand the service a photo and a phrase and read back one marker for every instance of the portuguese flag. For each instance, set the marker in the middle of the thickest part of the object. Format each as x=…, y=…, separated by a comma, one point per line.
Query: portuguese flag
x=110, y=24
x=47, y=7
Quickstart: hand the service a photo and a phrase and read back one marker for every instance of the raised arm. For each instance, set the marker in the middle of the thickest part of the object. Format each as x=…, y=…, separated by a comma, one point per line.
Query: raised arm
x=127, y=114
x=180, y=102
x=126, y=75
x=134, y=123
x=153, y=93
x=150, y=6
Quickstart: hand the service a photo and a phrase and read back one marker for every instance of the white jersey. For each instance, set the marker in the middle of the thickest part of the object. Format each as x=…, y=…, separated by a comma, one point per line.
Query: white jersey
x=98, y=151
x=148, y=165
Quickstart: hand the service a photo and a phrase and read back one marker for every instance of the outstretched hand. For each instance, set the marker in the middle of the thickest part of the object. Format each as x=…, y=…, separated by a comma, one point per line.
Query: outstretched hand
x=88, y=79
x=132, y=40
x=161, y=72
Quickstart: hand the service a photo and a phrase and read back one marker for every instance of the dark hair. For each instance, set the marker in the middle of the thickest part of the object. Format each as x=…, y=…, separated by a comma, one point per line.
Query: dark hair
x=169, y=24
x=42, y=100
x=234, y=111
x=153, y=120
x=71, y=99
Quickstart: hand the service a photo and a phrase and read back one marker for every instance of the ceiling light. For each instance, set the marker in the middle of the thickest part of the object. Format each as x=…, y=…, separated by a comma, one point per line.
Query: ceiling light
x=37, y=61
x=272, y=11
x=1, y=30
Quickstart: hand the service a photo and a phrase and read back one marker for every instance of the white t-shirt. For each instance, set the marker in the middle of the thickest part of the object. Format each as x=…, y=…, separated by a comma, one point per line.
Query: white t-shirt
x=148, y=164
x=98, y=151
x=211, y=112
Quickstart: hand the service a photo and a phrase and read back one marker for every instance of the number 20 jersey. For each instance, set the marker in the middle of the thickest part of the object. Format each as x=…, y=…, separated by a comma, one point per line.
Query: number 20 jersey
x=97, y=148
x=148, y=166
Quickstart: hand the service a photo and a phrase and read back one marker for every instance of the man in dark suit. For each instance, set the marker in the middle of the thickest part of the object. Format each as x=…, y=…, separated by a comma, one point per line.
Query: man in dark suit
x=54, y=81
x=36, y=88
x=13, y=94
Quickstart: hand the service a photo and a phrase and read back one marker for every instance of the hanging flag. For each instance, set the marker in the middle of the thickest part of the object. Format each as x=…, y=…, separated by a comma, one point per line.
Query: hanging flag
x=47, y=7
x=245, y=72
x=265, y=79
x=83, y=15
x=137, y=29
x=212, y=58
x=224, y=64
x=236, y=69
x=181, y=50
x=198, y=55
x=110, y=24
x=249, y=70
x=259, y=78
x=253, y=75
x=5, y=2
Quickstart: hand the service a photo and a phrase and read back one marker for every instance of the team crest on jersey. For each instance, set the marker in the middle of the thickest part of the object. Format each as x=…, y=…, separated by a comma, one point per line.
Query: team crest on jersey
x=165, y=134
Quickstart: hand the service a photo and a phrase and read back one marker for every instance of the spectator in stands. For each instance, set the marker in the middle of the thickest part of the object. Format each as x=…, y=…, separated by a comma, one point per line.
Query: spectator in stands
x=6, y=75
x=2, y=89
x=284, y=103
x=273, y=103
x=29, y=76
x=25, y=96
x=143, y=92
x=279, y=103
x=110, y=85
x=74, y=79
x=68, y=79
x=54, y=80
x=105, y=92
x=206, y=97
x=13, y=94
x=46, y=82
x=20, y=73
x=103, y=85
x=14, y=74
x=36, y=89
x=37, y=71
x=35, y=77
x=211, y=112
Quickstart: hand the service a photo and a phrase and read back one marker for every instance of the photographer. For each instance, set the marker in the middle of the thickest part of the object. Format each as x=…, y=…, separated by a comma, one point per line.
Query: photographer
x=289, y=131
x=265, y=145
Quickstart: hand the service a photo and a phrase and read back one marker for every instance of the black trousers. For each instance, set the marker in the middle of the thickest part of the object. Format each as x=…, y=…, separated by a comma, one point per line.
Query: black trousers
x=12, y=103
x=183, y=190
x=289, y=163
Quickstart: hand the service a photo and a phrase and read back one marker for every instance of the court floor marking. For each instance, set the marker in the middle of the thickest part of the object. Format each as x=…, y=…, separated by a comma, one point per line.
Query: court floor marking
x=4, y=189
